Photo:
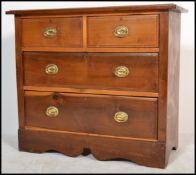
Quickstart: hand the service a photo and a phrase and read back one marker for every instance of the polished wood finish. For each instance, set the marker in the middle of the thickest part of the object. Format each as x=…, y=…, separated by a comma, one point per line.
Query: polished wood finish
x=101, y=31
x=57, y=49
x=89, y=134
x=78, y=113
x=69, y=32
x=19, y=72
x=169, y=80
x=173, y=83
x=71, y=144
x=91, y=91
x=85, y=91
x=92, y=70
x=122, y=9
x=163, y=75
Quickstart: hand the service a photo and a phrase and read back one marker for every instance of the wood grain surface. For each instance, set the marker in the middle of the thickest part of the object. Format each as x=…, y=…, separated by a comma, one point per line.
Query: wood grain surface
x=69, y=32
x=103, y=148
x=94, y=70
x=93, y=113
x=95, y=10
x=101, y=31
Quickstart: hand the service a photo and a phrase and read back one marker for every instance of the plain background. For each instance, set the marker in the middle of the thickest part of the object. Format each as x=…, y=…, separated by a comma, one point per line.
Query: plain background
x=9, y=94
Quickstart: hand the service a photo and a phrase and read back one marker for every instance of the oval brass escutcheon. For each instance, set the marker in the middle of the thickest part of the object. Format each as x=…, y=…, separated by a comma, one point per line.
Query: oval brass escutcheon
x=50, y=32
x=121, y=71
x=51, y=69
x=52, y=111
x=121, y=31
x=121, y=116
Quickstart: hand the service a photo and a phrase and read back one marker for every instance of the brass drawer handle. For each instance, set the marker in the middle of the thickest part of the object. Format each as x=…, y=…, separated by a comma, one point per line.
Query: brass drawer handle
x=50, y=32
x=121, y=117
x=51, y=69
x=121, y=71
x=52, y=111
x=121, y=31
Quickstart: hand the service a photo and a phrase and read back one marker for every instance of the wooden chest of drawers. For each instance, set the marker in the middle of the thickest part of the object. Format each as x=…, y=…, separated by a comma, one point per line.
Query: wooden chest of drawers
x=99, y=79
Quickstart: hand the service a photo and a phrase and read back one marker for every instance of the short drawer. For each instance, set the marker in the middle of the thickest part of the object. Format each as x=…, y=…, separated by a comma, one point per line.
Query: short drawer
x=120, y=71
x=96, y=114
x=52, y=32
x=123, y=31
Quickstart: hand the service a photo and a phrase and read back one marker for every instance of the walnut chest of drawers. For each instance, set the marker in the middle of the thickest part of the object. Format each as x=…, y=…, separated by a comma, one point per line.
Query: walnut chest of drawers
x=99, y=79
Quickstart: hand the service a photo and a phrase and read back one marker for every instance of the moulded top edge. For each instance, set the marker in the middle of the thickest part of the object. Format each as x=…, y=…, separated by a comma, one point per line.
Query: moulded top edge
x=111, y=9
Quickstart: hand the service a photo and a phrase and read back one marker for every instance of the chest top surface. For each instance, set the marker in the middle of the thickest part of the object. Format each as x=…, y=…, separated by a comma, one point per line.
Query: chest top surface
x=114, y=9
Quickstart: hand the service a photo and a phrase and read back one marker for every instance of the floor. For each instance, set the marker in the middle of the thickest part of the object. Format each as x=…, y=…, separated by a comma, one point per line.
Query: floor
x=13, y=161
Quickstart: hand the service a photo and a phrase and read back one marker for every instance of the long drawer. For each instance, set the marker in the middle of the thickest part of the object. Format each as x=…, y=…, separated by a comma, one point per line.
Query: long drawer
x=124, y=71
x=95, y=114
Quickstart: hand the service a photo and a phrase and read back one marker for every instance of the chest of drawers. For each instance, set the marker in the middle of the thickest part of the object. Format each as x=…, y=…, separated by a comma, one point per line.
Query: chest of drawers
x=99, y=79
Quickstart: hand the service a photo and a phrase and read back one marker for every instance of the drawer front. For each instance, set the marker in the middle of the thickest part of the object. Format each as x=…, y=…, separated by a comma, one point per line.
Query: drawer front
x=96, y=114
x=123, y=71
x=123, y=31
x=52, y=32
